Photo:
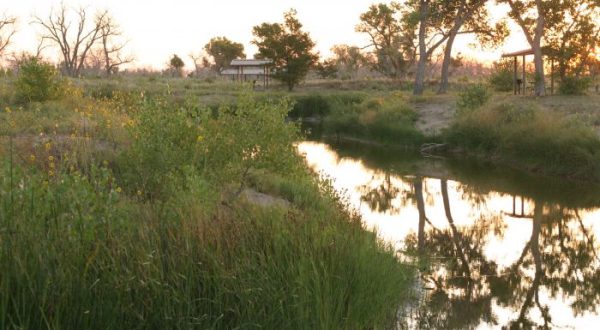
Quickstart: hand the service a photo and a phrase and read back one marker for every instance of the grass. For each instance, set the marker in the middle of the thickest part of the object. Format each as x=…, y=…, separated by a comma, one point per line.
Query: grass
x=531, y=136
x=118, y=210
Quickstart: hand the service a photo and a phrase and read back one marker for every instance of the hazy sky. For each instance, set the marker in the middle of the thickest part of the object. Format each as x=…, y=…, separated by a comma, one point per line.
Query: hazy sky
x=159, y=28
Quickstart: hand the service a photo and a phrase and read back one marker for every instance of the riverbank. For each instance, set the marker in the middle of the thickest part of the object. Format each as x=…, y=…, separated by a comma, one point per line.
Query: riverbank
x=552, y=136
x=130, y=210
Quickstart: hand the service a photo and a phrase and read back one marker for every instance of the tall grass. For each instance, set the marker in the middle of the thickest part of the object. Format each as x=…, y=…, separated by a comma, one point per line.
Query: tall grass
x=78, y=253
x=388, y=120
x=528, y=136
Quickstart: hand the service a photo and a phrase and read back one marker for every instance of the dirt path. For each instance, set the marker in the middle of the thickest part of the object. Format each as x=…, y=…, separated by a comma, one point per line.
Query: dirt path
x=433, y=117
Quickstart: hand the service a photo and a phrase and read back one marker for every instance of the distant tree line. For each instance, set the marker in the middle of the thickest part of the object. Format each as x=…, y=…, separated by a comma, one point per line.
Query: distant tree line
x=406, y=41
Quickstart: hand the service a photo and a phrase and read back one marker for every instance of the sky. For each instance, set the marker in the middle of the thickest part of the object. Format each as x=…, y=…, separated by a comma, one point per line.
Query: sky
x=157, y=29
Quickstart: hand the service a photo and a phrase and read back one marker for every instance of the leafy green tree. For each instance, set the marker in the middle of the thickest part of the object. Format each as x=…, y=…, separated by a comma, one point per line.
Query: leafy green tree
x=288, y=46
x=223, y=51
x=37, y=81
x=391, y=38
x=176, y=64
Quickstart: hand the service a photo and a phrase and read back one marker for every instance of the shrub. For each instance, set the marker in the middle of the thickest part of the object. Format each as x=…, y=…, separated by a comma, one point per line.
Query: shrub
x=574, y=85
x=473, y=98
x=37, y=81
x=502, y=77
x=310, y=105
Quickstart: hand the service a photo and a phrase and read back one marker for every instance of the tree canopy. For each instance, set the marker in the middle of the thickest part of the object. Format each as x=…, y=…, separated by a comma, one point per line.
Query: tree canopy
x=223, y=51
x=391, y=39
x=288, y=46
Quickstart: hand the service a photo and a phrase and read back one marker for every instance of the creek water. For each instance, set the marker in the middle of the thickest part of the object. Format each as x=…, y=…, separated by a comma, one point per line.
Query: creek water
x=504, y=249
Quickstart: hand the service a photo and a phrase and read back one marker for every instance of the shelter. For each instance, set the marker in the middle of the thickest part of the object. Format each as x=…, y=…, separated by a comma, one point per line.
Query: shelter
x=249, y=70
x=520, y=84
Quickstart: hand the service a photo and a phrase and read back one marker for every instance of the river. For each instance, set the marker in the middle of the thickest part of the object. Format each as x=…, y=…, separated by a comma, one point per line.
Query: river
x=502, y=248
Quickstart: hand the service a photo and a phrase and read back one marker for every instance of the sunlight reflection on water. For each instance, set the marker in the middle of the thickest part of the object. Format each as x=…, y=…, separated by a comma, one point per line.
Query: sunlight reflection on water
x=517, y=255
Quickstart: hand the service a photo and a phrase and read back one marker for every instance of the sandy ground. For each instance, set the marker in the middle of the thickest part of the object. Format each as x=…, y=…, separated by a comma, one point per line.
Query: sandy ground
x=434, y=117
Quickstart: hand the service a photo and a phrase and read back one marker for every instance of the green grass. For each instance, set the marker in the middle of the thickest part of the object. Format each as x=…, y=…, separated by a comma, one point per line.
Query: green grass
x=387, y=119
x=526, y=134
x=124, y=215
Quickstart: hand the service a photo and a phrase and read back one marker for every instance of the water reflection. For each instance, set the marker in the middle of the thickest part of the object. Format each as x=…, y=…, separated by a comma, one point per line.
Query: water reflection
x=505, y=250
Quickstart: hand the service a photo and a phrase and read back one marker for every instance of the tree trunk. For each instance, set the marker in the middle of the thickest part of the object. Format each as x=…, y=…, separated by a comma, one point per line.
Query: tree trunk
x=446, y=63
x=538, y=57
x=421, y=65
x=422, y=217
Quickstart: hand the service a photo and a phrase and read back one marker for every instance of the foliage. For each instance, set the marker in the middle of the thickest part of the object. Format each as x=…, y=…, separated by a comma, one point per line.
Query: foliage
x=37, y=81
x=267, y=141
x=223, y=51
x=472, y=98
x=348, y=59
x=502, y=76
x=327, y=69
x=288, y=46
x=322, y=104
x=164, y=147
x=571, y=39
x=574, y=85
x=138, y=236
x=523, y=135
x=391, y=38
x=389, y=121
x=176, y=64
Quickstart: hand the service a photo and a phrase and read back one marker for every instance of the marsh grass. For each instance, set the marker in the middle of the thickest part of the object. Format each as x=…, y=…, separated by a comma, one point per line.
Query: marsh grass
x=529, y=136
x=137, y=233
x=387, y=119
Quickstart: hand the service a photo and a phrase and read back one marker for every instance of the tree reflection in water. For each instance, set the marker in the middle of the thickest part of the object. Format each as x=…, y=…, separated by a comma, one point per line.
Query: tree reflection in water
x=559, y=259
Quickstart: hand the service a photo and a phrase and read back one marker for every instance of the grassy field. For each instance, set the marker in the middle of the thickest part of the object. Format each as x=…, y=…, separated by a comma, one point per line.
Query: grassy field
x=121, y=207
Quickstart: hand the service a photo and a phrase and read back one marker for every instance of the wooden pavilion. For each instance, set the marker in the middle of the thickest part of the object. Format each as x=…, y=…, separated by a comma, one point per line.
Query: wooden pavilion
x=520, y=84
x=249, y=70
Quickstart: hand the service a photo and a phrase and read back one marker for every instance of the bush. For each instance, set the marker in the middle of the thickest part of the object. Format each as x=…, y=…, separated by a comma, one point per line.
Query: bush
x=502, y=77
x=310, y=105
x=472, y=98
x=37, y=81
x=574, y=85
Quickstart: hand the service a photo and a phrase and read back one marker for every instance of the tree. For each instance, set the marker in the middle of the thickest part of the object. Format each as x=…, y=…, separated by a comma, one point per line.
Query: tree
x=200, y=61
x=572, y=41
x=391, y=38
x=176, y=65
x=290, y=48
x=466, y=17
x=327, y=69
x=535, y=17
x=440, y=22
x=112, y=47
x=223, y=51
x=74, y=45
x=349, y=59
x=424, y=16
x=7, y=31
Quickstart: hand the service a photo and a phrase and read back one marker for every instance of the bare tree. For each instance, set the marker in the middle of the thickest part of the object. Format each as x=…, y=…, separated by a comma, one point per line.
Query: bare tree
x=7, y=31
x=74, y=44
x=112, y=47
x=200, y=61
